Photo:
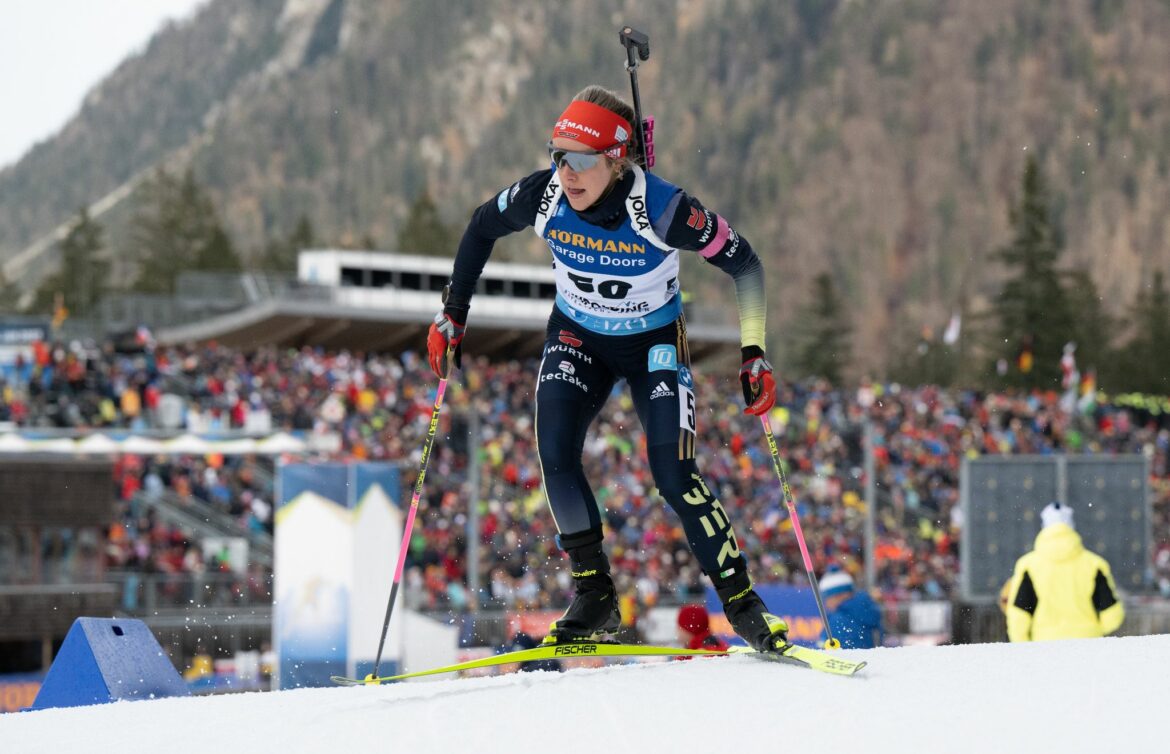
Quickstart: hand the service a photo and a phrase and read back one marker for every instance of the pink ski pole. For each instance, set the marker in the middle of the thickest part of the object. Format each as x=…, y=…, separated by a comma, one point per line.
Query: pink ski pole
x=418, y=487
x=830, y=642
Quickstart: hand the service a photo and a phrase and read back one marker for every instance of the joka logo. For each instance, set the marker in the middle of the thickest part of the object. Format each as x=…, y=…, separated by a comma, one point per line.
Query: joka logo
x=661, y=390
x=546, y=200
x=567, y=367
x=569, y=650
x=569, y=339
x=638, y=203
x=698, y=219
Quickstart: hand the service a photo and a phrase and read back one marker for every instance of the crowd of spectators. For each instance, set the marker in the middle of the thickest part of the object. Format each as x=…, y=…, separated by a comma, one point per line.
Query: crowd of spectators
x=381, y=405
x=921, y=436
x=238, y=487
x=162, y=563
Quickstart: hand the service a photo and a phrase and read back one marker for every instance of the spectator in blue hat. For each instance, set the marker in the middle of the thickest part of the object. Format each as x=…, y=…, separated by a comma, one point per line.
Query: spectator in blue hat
x=854, y=617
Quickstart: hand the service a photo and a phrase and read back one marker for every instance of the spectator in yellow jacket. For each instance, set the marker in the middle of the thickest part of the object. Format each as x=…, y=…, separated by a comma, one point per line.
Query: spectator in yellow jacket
x=1060, y=590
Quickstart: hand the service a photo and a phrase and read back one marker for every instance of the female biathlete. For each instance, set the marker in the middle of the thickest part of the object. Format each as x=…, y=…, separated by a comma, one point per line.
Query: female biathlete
x=615, y=232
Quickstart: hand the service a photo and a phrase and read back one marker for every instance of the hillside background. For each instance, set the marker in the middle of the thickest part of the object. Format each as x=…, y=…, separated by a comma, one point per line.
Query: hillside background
x=879, y=142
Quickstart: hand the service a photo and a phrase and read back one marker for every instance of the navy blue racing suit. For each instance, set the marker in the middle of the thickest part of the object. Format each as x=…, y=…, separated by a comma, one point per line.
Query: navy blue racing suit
x=618, y=316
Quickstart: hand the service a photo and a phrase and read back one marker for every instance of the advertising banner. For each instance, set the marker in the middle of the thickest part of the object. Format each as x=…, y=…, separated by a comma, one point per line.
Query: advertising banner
x=337, y=537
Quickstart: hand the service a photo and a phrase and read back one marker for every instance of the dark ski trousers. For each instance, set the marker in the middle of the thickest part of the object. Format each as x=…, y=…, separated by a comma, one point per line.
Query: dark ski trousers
x=577, y=374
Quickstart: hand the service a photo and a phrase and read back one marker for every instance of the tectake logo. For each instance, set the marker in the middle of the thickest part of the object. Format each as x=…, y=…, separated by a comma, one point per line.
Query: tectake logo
x=733, y=245
x=569, y=339
x=566, y=374
x=567, y=367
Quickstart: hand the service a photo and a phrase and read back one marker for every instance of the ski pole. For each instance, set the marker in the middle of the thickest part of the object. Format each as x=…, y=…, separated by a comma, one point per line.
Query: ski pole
x=636, y=41
x=418, y=487
x=830, y=642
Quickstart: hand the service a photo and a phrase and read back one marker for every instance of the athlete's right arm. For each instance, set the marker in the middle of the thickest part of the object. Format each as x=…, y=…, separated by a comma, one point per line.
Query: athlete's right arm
x=511, y=210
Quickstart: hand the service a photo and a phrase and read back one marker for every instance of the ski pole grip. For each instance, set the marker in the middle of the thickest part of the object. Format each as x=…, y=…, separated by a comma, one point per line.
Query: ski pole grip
x=634, y=39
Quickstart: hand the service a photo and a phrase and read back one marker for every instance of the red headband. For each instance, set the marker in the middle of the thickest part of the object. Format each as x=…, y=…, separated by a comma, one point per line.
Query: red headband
x=594, y=126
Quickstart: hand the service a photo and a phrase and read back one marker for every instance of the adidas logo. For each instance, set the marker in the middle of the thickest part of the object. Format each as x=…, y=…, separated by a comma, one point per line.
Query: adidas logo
x=661, y=390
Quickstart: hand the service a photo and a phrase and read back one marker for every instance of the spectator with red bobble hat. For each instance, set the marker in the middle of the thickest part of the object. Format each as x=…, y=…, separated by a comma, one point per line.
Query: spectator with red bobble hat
x=694, y=630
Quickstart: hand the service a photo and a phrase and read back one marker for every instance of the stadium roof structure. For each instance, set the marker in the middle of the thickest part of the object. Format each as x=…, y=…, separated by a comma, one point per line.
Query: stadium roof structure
x=379, y=302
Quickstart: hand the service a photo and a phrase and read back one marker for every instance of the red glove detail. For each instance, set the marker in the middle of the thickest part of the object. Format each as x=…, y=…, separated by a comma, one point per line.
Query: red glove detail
x=445, y=334
x=759, y=386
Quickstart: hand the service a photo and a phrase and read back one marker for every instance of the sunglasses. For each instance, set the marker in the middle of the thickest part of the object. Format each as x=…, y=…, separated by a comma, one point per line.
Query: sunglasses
x=577, y=161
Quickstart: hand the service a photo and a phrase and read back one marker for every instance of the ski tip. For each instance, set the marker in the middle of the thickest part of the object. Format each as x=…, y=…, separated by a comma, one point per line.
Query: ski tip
x=838, y=666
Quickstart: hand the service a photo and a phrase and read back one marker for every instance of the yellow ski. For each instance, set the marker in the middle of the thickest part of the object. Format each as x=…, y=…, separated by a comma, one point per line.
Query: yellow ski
x=805, y=657
x=548, y=652
x=792, y=654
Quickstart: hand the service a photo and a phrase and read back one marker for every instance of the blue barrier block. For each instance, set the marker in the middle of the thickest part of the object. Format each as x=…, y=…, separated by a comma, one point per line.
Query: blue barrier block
x=106, y=660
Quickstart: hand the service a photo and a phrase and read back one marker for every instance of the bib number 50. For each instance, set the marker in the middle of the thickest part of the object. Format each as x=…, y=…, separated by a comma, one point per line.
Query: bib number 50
x=611, y=289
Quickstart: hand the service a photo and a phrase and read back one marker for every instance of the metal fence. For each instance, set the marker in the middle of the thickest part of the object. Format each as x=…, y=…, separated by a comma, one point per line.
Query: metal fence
x=1002, y=496
x=218, y=632
x=142, y=594
x=203, y=520
x=981, y=623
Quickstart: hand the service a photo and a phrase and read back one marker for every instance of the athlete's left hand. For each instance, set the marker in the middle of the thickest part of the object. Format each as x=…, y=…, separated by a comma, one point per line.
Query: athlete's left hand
x=755, y=377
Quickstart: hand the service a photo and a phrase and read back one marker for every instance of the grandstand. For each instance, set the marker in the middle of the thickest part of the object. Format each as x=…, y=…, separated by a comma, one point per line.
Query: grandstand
x=383, y=302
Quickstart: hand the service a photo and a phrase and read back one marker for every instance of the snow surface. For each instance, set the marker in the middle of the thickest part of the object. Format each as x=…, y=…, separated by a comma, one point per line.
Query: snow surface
x=1109, y=695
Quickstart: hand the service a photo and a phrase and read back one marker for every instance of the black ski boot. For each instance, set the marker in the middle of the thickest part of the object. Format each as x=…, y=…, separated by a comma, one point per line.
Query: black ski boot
x=748, y=614
x=593, y=613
